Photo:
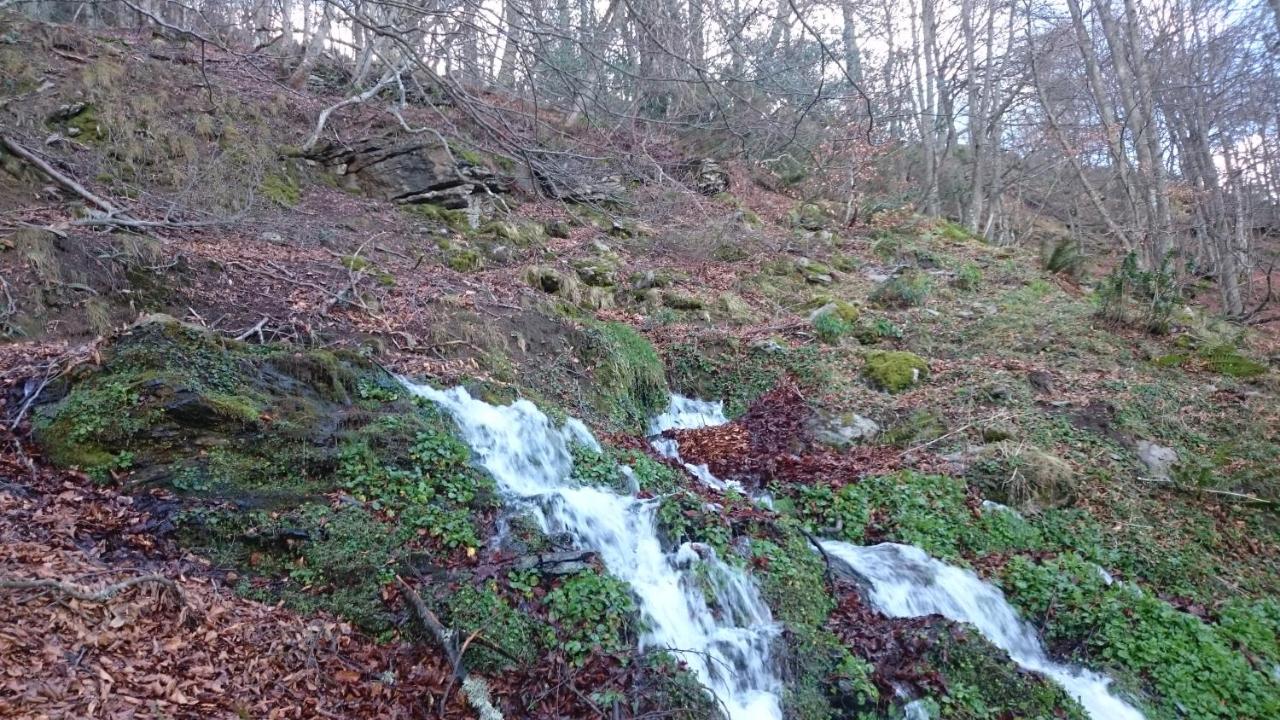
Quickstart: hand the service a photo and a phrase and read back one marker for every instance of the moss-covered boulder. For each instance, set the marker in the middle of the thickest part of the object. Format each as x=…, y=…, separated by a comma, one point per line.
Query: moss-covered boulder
x=310, y=472
x=895, y=370
x=630, y=379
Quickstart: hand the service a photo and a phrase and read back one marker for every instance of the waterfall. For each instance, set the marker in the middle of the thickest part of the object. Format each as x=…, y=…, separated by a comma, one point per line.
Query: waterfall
x=725, y=643
x=686, y=413
x=905, y=582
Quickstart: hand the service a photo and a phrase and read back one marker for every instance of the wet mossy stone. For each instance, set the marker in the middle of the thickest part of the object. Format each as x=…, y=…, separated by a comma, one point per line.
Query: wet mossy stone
x=631, y=383
x=895, y=370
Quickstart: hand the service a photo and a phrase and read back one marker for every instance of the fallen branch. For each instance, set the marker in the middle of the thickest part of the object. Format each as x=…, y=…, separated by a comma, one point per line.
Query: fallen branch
x=53, y=174
x=323, y=120
x=1245, y=498
x=87, y=595
x=474, y=688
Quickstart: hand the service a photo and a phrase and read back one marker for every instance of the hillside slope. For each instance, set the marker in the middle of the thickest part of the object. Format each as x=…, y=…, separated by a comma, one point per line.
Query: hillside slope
x=203, y=387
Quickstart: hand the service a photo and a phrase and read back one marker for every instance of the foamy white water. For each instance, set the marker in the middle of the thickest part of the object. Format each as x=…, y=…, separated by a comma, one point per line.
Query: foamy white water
x=906, y=582
x=726, y=643
x=686, y=413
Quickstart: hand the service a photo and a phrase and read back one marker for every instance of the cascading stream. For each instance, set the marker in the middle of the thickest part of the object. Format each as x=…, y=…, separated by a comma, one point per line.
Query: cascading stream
x=727, y=648
x=906, y=582
x=686, y=413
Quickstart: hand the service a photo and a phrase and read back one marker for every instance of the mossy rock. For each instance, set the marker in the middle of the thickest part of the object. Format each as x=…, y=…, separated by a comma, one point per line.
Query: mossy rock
x=598, y=271
x=457, y=220
x=631, y=383
x=677, y=300
x=464, y=260
x=895, y=370
x=250, y=440
x=808, y=216
x=553, y=282
x=519, y=233
x=909, y=289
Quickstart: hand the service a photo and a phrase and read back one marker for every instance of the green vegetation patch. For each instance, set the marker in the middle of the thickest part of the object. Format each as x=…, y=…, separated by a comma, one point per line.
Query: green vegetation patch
x=255, y=440
x=723, y=368
x=631, y=383
x=1185, y=665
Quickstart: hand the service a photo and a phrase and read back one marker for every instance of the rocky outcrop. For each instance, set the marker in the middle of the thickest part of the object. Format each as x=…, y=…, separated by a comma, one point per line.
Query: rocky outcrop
x=706, y=176
x=413, y=170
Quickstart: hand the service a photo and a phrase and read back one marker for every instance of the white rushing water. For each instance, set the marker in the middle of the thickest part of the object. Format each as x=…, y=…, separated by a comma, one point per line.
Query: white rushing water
x=686, y=413
x=906, y=582
x=726, y=644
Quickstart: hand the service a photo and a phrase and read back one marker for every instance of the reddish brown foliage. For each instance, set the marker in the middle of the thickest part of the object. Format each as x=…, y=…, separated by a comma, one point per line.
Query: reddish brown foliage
x=145, y=652
x=895, y=647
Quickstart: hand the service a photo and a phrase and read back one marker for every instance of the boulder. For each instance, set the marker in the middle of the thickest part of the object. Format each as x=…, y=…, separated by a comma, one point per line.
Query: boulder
x=845, y=429
x=1158, y=459
x=895, y=370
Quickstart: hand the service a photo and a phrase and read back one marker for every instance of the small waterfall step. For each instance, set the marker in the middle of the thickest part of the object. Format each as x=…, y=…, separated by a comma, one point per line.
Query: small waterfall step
x=905, y=582
x=726, y=643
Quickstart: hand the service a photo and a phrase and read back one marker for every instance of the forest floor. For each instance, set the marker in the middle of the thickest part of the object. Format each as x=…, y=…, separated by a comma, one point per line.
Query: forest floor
x=1021, y=393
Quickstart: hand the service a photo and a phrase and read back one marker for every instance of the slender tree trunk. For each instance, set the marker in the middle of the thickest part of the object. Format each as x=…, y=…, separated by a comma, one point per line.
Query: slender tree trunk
x=315, y=46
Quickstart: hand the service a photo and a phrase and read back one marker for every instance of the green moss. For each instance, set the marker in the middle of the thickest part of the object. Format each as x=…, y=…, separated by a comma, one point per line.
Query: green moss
x=894, y=370
x=792, y=580
x=464, y=260
x=968, y=277
x=456, y=220
x=981, y=682
x=249, y=438
x=482, y=610
x=908, y=289
x=722, y=368
x=281, y=188
x=631, y=384
x=86, y=126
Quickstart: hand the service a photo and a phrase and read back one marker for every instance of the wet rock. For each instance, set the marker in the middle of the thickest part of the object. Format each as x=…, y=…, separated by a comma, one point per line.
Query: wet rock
x=1158, y=459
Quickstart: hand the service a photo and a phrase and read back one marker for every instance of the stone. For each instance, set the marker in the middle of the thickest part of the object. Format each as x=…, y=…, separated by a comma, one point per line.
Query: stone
x=1158, y=459
x=558, y=229
x=998, y=431
x=706, y=176
x=682, y=301
x=846, y=429
x=412, y=171
x=1041, y=381
x=895, y=370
